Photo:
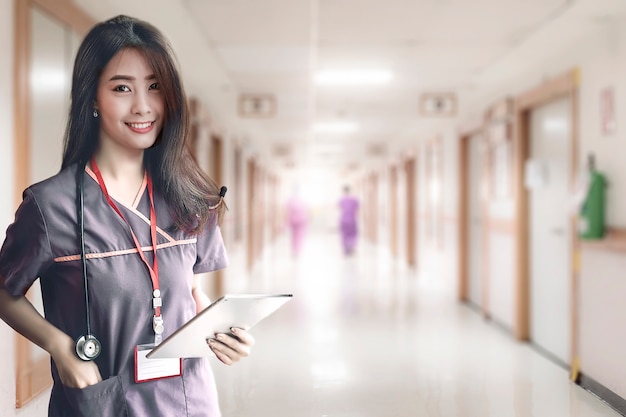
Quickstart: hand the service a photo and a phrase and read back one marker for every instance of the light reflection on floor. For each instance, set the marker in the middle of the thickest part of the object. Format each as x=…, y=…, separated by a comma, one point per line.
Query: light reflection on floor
x=367, y=337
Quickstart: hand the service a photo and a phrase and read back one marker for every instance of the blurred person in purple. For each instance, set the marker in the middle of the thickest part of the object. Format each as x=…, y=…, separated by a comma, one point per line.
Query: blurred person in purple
x=297, y=219
x=349, y=207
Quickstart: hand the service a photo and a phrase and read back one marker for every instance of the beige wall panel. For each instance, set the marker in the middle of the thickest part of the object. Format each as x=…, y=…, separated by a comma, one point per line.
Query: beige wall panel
x=602, y=315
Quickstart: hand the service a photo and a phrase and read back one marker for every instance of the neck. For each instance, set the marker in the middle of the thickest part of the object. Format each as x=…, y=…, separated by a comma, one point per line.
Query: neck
x=120, y=167
x=123, y=176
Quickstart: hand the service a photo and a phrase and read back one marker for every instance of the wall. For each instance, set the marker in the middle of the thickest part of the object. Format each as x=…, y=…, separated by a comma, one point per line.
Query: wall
x=7, y=372
x=602, y=316
x=602, y=313
x=601, y=58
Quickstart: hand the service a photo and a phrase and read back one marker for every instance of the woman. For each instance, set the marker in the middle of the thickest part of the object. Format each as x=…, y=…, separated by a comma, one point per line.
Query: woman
x=149, y=220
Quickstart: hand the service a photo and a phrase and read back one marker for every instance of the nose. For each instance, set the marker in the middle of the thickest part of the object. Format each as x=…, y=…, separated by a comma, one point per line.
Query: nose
x=141, y=103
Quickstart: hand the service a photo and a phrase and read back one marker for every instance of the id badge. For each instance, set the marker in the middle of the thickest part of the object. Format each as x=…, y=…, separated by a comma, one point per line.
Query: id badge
x=153, y=369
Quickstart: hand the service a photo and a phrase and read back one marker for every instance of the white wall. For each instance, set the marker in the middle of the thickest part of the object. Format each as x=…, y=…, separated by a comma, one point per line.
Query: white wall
x=7, y=370
x=602, y=315
x=7, y=383
x=604, y=65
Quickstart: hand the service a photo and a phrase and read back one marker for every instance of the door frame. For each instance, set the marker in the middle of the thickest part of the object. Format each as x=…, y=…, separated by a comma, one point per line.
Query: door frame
x=251, y=220
x=216, y=156
x=463, y=210
x=372, y=205
x=562, y=86
x=393, y=209
x=410, y=173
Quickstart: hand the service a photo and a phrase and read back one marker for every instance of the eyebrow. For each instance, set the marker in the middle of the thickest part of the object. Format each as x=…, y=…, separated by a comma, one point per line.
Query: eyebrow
x=130, y=78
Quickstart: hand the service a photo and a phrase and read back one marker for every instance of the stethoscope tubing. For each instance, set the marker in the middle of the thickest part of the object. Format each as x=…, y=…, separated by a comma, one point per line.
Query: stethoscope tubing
x=87, y=347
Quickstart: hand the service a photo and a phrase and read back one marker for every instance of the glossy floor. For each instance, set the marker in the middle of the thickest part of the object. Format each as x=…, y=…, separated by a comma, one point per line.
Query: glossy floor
x=366, y=337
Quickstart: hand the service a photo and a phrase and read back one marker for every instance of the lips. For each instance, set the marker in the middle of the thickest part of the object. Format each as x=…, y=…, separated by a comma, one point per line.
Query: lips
x=142, y=127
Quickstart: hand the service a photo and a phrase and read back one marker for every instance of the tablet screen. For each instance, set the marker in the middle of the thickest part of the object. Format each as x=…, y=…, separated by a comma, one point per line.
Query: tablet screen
x=231, y=310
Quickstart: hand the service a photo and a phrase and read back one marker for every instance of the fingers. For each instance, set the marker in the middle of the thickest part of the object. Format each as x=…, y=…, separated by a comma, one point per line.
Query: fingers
x=243, y=336
x=74, y=372
x=231, y=348
x=80, y=374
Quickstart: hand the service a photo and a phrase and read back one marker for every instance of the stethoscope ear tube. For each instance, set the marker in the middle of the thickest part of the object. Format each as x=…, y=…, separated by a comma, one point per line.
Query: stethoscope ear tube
x=87, y=347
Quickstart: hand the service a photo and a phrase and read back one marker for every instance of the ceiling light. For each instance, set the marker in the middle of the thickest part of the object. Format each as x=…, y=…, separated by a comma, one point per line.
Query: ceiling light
x=353, y=77
x=335, y=127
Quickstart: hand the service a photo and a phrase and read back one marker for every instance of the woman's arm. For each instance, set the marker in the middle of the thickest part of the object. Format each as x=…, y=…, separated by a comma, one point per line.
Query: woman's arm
x=20, y=314
x=202, y=300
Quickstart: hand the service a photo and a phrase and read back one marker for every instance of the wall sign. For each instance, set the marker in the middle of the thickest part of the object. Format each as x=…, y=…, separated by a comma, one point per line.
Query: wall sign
x=608, y=123
x=499, y=133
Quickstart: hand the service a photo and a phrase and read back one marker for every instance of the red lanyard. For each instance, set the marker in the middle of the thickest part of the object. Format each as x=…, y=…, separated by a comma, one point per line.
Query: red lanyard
x=154, y=271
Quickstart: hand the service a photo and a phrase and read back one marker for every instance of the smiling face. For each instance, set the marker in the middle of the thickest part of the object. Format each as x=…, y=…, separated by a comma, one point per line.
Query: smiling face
x=130, y=104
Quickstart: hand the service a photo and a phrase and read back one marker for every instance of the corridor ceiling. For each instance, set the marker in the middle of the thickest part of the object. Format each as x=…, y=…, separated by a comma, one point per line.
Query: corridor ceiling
x=462, y=49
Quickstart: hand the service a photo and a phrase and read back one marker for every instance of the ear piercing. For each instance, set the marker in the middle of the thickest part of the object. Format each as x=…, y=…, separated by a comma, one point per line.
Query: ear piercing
x=95, y=113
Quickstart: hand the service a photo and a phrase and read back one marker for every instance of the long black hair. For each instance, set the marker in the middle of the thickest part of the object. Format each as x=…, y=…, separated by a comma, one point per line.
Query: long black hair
x=189, y=192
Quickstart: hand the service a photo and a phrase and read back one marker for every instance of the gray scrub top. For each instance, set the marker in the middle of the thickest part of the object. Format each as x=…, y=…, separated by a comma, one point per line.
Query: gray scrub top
x=43, y=242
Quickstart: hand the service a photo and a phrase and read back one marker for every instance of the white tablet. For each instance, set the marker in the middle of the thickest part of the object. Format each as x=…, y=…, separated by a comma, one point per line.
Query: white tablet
x=232, y=310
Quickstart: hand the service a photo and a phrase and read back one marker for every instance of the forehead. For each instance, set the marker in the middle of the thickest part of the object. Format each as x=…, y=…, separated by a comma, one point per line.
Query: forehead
x=128, y=61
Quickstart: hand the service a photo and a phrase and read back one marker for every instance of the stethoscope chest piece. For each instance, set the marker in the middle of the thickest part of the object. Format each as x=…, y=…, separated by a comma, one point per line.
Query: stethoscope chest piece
x=88, y=347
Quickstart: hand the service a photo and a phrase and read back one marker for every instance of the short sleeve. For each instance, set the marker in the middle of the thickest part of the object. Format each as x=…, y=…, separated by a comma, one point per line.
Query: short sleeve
x=26, y=251
x=210, y=251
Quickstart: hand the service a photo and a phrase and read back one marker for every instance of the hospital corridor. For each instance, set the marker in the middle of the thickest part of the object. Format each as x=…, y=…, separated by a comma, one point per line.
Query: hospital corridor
x=439, y=184
x=365, y=336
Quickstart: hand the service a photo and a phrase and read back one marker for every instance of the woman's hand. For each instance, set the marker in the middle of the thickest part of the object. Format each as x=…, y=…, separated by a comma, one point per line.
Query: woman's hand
x=20, y=314
x=73, y=371
x=231, y=348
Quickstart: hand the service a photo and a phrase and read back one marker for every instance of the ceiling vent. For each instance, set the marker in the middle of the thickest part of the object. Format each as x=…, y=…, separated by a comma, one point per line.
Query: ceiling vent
x=437, y=105
x=257, y=106
x=376, y=149
x=281, y=150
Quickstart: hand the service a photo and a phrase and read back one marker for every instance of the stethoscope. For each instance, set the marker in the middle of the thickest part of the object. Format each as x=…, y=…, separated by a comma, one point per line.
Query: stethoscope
x=88, y=347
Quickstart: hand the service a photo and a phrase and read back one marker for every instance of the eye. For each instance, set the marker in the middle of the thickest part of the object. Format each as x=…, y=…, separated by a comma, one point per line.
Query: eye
x=122, y=89
x=155, y=86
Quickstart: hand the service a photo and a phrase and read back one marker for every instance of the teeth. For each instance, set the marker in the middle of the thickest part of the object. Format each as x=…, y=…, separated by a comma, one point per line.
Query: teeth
x=140, y=125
